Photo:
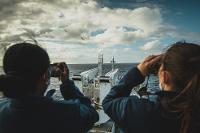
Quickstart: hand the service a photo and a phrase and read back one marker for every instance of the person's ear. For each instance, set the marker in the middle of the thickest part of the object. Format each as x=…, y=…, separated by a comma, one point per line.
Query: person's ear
x=166, y=77
x=42, y=84
x=45, y=77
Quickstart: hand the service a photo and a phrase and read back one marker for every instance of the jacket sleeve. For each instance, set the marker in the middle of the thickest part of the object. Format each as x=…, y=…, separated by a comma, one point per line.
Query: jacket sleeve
x=88, y=115
x=69, y=90
x=119, y=105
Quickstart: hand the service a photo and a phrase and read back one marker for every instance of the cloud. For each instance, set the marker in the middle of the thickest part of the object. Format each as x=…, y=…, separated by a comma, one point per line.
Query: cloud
x=127, y=49
x=80, y=54
x=75, y=21
x=152, y=45
x=90, y=25
x=79, y=28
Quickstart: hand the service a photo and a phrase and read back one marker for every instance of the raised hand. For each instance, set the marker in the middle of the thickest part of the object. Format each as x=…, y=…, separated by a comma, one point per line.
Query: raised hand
x=149, y=62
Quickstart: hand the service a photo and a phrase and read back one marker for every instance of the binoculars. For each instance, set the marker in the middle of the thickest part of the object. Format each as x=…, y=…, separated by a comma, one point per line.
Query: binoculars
x=155, y=68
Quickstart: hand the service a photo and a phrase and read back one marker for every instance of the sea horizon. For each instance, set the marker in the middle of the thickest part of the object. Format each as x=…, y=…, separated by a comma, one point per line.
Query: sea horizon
x=95, y=63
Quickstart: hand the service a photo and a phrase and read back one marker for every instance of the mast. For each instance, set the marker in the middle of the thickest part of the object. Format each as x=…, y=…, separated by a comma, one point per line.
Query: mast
x=113, y=63
x=100, y=64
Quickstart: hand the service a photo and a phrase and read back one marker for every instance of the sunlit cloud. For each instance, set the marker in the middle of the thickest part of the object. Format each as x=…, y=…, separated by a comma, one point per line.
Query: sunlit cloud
x=152, y=45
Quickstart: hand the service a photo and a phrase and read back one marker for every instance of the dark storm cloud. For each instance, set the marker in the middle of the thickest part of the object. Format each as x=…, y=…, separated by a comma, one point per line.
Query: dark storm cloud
x=8, y=8
x=11, y=10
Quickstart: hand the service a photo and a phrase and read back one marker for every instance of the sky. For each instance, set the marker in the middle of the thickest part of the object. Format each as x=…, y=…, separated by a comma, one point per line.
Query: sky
x=76, y=31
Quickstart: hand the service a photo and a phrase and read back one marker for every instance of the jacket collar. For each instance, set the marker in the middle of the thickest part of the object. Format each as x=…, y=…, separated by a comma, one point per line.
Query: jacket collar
x=169, y=94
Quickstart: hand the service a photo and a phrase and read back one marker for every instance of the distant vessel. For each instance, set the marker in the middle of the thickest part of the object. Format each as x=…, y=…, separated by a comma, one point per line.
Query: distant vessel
x=95, y=85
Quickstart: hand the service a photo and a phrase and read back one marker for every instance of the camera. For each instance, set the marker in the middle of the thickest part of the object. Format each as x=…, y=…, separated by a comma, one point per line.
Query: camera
x=57, y=69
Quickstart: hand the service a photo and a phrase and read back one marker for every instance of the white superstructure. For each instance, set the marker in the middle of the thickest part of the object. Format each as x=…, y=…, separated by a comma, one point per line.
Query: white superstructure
x=95, y=85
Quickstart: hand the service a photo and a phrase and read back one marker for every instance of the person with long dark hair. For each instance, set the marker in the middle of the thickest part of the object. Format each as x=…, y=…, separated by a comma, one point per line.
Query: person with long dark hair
x=177, y=108
x=26, y=109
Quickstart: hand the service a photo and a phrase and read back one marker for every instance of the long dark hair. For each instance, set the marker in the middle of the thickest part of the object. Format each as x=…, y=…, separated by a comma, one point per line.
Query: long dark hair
x=23, y=64
x=182, y=60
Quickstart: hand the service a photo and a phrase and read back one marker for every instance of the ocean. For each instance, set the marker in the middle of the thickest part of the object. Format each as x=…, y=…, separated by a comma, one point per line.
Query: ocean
x=78, y=68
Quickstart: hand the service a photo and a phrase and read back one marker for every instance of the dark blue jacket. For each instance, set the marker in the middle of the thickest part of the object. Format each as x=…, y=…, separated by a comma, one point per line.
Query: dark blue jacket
x=138, y=115
x=44, y=115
